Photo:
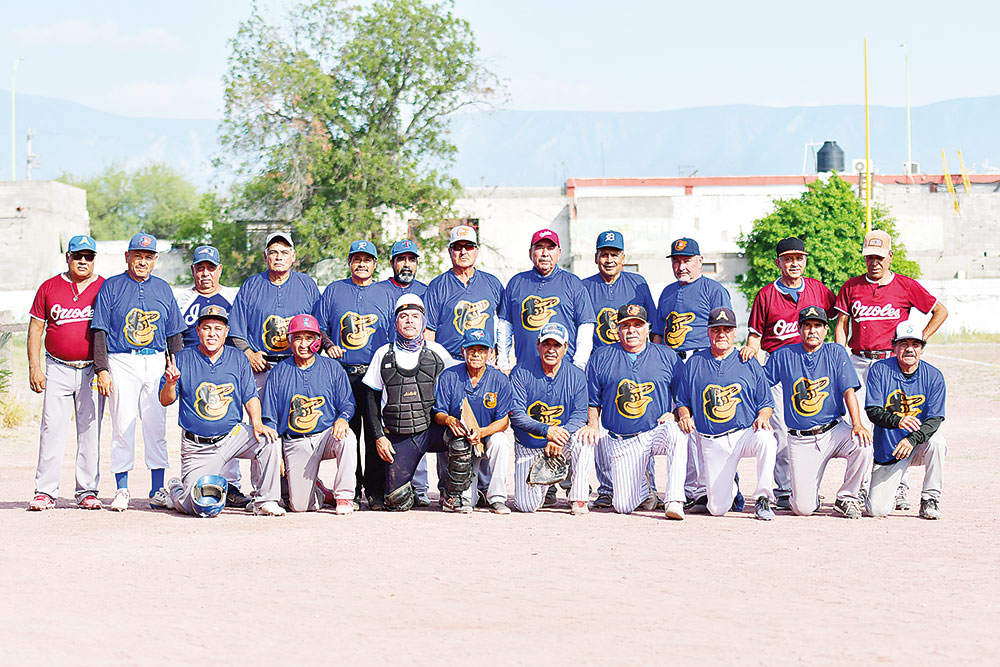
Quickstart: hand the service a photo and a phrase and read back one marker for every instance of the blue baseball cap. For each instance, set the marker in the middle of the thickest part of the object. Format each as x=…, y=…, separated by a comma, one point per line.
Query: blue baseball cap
x=366, y=247
x=475, y=337
x=404, y=246
x=81, y=242
x=555, y=331
x=206, y=253
x=143, y=241
x=611, y=239
x=684, y=247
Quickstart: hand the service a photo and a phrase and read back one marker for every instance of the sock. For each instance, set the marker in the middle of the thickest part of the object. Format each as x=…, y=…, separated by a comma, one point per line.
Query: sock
x=157, y=475
x=121, y=480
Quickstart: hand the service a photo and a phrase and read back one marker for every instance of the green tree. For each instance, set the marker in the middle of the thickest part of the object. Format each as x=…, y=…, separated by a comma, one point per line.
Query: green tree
x=830, y=219
x=335, y=122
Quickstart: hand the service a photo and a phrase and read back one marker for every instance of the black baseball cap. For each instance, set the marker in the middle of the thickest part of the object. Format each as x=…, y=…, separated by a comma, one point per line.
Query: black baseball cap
x=721, y=317
x=791, y=244
x=813, y=313
x=632, y=311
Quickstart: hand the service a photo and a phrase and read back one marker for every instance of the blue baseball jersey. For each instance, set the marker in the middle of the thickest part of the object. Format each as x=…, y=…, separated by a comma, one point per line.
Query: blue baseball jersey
x=490, y=399
x=632, y=393
x=193, y=309
x=356, y=318
x=395, y=290
x=922, y=395
x=300, y=401
x=722, y=394
x=136, y=315
x=262, y=310
x=813, y=385
x=452, y=307
x=540, y=401
x=212, y=395
x=609, y=297
x=531, y=301
x=682, y=312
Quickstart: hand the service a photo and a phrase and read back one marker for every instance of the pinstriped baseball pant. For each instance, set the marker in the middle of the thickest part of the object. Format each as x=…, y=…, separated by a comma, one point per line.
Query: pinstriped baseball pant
x=602, y=458
x=630, y=457
x=528, y=498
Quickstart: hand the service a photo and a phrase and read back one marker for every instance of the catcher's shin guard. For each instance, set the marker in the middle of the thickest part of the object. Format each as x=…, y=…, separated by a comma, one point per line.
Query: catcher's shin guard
x=401, y=499
x=459, y=467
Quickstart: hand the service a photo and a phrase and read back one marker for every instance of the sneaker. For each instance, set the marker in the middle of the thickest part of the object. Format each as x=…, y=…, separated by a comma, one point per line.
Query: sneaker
x=652, y=498
x=578, y=507
x=697, y=505
x=929, y=509
x=376, y=504
x=421, y=500
x=848, y=508
x=41, y=501
x=328, y=497
x=344, y=506
x=89, y=502
x=160, y=500
x=268, y=508
x=481, y=502
x=903, y=503
x=674, y=510
x=604, y=501
x=783, y=503
x=762, y=509
x=550, y=497
x=357, y=503
x=455, y=505
x=120, y=502
x=235, y=497
x=498, y=507
x=739, y=502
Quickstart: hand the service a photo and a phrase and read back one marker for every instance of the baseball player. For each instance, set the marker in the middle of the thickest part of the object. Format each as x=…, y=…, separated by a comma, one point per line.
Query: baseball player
x=817, y=380
x=214, y=383
x=548, y=411
x=873, y=306
x=610, y=289
x=401, y=379
x=682, y=324
x=353, y=313
x=629, y=393
x=905, y=401
x=488, y=394
x=727, y=403
x=62, y=310
x=135, y=320
x=774, y=323
x=308, y=400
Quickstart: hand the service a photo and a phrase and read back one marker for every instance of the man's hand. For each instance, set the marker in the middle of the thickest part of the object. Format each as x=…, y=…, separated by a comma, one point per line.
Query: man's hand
x=686, y=424
x=340, y=429
x=749, y=350
x=104, y=384
x=473, y=438
x=172, y=374
x=266, y=433
x=553, y=448
x=385, y=449
x=666, y=417
x=456, y=427
x=558, y=435
x=589, y=434
x=862, y=434
x=762, y=423
x=909, y=423
x=257, y=361
x=335, y=352
x=903, y=449
x=36, y=380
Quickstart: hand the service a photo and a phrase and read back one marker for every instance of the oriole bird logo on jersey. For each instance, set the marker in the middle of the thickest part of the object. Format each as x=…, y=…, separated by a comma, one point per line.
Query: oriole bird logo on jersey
x=720, y=402
x=490, y=400
x=305, y=412
x=211, y=401
x=633, y=397
x=808, y=395
x=676, y=329
x=902, y=405
x=607, y=325
x=546, y=414
x=275, y=334
x=536, y=311
x=471, y=315
x=139, y=327
x=355, y=329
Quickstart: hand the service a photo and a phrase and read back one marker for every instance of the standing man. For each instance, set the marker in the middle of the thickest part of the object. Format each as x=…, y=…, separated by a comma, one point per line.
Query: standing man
x=726, y=402
x=610, y=289
x=774, y=323
x=353, y=313
x=62, y=310
x=629, y=393
x=214, y=383
x=488, y=394
x=549, y=410
x=817, y=380
x=135, y=320
x=906, y=403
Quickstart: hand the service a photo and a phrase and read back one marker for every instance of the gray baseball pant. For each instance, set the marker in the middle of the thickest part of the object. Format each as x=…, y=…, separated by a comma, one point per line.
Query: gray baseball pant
x=302, y=458
x=885, y=477
x=808, y=457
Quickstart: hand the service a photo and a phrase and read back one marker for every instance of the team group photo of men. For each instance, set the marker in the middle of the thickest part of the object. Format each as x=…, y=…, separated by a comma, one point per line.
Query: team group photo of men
x=563, y=381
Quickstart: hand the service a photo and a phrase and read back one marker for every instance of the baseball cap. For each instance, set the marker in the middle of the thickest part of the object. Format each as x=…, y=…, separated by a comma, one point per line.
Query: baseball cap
x=908, y=331
x=303, y=323
x=876, y=242
x=284, y=237
x=611, y=239
x=790, y=245
x=402, y=247
x=555, y=331
x=545, y=235
x=684, y=247
x=475, y=337
x=721, y=317
x=632, y=311
x=206, y=253
x=81, y=242
x=813, y=313
x=143, y=241
x=213, y=313
x=366, y=247
x=409, y=302
x=462, y=233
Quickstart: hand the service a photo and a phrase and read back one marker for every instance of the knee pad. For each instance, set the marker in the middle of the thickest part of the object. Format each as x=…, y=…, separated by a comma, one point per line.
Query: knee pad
x=460, y=467
x=401, y=499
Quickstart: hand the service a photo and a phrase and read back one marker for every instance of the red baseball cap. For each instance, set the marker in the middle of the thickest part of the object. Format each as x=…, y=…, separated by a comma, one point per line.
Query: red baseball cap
x=545, y=235
x=302, y=323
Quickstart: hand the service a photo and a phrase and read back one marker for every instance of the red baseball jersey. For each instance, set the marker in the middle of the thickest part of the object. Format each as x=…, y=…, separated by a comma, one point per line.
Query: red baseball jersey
x=774, y=316
x=67, y=315
x=875, y=310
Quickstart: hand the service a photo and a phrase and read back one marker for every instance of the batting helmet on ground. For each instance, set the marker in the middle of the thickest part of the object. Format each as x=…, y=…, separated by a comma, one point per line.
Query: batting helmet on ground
x=209, y=495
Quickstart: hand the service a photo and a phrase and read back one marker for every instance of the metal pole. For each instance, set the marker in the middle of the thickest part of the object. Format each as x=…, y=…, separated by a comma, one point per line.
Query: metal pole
x=909, y=151
x=13, y=138
x=868, y=154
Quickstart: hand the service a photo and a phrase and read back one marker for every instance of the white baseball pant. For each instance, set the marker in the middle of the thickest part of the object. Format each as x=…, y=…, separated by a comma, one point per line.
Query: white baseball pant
x=808, y=457
x=885, y=477
x=782, y=475
x=136, y=380
x=529, y=498
x=694, y=478
x=720, y=455
x=69, y=391
x=630, y=457
x=302, y=458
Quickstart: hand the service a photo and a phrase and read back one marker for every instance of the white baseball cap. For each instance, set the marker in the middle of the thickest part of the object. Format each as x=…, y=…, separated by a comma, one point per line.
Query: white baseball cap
x=908, y=331
x=462, y=233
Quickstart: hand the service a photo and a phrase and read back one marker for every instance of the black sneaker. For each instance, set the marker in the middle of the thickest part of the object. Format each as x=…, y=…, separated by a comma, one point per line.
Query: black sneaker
x=376, y=504
x=739, y=502
x=550, y=497
x=421, y=501
x=604, y=501
x=697, y=505
x=235, y=497
x=783, y=503
x=482, y=503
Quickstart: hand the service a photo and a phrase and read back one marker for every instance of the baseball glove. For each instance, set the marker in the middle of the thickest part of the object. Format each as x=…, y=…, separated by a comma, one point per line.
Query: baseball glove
x=548, y=470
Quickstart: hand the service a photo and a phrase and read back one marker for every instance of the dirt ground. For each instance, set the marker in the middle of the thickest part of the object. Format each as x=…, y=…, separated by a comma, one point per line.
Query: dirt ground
x=423, y=587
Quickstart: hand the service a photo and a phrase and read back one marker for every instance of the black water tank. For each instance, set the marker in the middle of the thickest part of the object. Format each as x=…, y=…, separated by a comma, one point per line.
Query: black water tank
x=830, y=158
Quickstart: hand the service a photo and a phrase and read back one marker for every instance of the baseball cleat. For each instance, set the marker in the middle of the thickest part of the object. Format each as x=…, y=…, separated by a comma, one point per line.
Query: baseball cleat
x=674, y=510
x=762, y=509
x=89, y=502
x=41, y=501
x=455, y=505
x=848, y=508
x=161, y=500
x=739, y=502
x=235, y=497
x=268, y=508
x=929, y=509
x=578, y=507
x=902, y=503
x=344, y=506
x=421, y=500
x=604, y=501
x=328, y=497
x=120, y=502
x=550, y=497
x=697, y=505
x=498, y=507
x=783, y=503
x=481, y=502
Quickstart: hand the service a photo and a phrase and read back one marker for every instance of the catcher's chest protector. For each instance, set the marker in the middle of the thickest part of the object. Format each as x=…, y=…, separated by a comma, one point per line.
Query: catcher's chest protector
x=409, y=393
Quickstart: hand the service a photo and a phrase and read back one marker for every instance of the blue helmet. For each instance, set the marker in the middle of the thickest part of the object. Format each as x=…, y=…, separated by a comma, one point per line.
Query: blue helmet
x=209, y=495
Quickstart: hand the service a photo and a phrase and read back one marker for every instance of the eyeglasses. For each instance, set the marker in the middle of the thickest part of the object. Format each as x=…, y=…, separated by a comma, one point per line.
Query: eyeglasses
x=88, y=256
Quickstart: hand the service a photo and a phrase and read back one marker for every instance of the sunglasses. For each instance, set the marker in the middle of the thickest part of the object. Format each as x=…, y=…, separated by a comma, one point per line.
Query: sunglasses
x=89, y=256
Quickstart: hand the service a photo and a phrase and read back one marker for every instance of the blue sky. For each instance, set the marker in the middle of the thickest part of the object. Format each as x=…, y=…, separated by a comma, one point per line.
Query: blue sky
x=166, y=59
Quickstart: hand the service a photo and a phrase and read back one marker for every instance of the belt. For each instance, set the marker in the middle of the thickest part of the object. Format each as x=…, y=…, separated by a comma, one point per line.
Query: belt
x=873, y=354
x=356, y=369
x=204, y=441
x=685, y=354
x=79, y=365
x=274, y=358
x=145, y=351
x=294, y=438
x=721, y=435
x=622, y=437
x=814, y=431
